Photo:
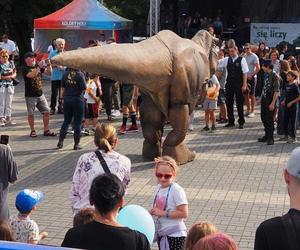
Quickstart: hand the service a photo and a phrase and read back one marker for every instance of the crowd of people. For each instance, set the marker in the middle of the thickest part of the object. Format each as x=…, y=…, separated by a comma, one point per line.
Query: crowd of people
x=101, y=179
x=99, y=185
x=256, y=75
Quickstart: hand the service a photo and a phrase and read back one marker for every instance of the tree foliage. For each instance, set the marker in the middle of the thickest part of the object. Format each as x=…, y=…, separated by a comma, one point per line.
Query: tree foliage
x=17, y=16
x=136, y=10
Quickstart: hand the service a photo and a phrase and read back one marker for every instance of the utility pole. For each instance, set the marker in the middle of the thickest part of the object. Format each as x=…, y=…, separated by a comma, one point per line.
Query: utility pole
x=154, y=16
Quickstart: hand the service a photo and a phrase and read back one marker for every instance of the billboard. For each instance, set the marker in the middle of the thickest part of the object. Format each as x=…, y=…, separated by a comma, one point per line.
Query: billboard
x=274, y=33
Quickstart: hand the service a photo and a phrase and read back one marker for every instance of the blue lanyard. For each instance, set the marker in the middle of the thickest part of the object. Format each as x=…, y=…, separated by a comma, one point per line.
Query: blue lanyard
x=155, y=197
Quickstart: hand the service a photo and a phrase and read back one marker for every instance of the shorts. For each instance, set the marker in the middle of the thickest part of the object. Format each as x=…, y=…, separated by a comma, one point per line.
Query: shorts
x=209, y=104
x=221, y=97
x=127, y=94
x=37, y=102
x=252, y=86
x=91, y=110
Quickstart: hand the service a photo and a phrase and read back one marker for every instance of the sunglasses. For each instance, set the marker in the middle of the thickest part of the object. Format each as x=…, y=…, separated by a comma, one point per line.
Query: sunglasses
x=166, y=176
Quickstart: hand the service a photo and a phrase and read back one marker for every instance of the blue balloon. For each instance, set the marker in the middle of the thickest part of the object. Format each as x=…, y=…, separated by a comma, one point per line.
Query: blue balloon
x=139, y=219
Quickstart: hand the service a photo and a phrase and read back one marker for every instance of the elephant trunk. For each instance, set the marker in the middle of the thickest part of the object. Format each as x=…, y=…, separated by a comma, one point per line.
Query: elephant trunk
x=130, y=63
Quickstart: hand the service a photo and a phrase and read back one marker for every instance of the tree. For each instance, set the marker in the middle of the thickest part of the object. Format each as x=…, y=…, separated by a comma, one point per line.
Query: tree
x=17, y=18
x=136, y=10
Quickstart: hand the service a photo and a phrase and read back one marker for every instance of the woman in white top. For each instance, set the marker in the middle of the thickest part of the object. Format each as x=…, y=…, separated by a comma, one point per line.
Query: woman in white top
x=89, y=166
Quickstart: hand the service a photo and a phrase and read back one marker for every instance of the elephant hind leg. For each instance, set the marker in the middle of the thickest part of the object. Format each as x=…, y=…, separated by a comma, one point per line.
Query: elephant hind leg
x=174, y=145
x=152, y=122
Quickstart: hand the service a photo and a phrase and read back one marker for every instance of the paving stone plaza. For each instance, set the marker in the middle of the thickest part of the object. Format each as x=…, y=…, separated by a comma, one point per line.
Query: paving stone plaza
x=234, y=182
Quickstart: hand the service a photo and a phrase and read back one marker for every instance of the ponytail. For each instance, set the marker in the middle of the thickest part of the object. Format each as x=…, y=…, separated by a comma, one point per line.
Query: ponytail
x=104, y=145
x=105, y=137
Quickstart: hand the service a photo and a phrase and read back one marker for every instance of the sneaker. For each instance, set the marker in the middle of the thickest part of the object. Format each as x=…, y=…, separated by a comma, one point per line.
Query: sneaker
x=70, y=131
x=133, y=128
x=85, y=131
x=270, y=142
x=115, y=113
x=222, y=121
x=251, y=115
x=246, y=113
x=285, y=138
x=122, y=129
x=191, y=127
x=262, y=139
x=291, y=140
x=241, y=126
x=206, y=128
x=52, y=111
x=10, y=123
x=213, y=129
x=229, y=125
x=2, y=122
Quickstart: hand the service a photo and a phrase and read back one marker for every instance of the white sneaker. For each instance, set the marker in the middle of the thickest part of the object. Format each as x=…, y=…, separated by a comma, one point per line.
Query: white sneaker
x=191, y=127
x=115, y=113
x=291, y=140
x=2, y=122
x=10, y=123
x=251, y=115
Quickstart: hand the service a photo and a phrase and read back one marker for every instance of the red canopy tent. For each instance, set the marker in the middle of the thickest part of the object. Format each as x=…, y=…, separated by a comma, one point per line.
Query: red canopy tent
x=79, y=22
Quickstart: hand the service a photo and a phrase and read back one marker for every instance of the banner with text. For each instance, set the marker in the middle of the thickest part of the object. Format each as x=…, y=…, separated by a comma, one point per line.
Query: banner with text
x=274, y=33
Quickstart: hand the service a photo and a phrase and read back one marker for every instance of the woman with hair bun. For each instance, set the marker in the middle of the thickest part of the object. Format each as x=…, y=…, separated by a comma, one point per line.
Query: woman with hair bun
x=103, y=160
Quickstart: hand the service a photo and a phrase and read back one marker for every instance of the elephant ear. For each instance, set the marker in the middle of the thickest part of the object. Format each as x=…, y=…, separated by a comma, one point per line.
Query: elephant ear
x=204, y=39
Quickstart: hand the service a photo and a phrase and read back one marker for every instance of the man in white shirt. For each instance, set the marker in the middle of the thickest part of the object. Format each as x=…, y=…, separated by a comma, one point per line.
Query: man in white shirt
x=253, y=65
x=9, y=45
x=236, y=84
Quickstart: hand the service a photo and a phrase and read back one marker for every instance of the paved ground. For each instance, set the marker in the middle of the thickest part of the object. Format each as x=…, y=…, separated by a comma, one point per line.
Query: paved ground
x=234, y=181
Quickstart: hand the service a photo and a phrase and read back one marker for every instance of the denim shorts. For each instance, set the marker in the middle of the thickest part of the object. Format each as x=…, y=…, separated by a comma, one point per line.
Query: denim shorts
x=37, y=102
x=209, y=104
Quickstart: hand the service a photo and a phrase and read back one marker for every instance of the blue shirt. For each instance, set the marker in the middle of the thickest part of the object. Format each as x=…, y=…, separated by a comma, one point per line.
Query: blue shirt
x=73, y=82
x=57, y=73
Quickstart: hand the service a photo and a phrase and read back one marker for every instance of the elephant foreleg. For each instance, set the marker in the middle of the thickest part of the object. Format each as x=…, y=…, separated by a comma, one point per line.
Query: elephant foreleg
x=173, y=144
x=152, y=121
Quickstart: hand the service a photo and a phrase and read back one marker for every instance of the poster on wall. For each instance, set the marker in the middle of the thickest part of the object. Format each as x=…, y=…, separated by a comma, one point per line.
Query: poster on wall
x=274, y=33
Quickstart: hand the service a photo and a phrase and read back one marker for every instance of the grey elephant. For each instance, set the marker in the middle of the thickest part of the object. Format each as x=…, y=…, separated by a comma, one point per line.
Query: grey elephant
x=169, y=70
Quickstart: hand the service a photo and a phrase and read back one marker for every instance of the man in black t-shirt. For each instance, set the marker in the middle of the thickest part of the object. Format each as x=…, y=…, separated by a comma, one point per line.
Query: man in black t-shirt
x=107, y=195
x=283, y=233
x=34, y=96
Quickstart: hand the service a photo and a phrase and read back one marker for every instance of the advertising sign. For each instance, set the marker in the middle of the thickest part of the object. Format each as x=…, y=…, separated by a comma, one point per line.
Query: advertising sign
x=274, y=33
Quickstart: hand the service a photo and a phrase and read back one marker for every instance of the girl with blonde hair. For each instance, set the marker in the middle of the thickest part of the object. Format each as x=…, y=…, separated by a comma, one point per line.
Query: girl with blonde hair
x=198, y=231
x=103, y=160
x=170, y=206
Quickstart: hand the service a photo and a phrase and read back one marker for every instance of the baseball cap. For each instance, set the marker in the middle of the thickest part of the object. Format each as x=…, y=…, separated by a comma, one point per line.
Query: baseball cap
x=293, y=164
x=27, y=199
x=29, y=54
